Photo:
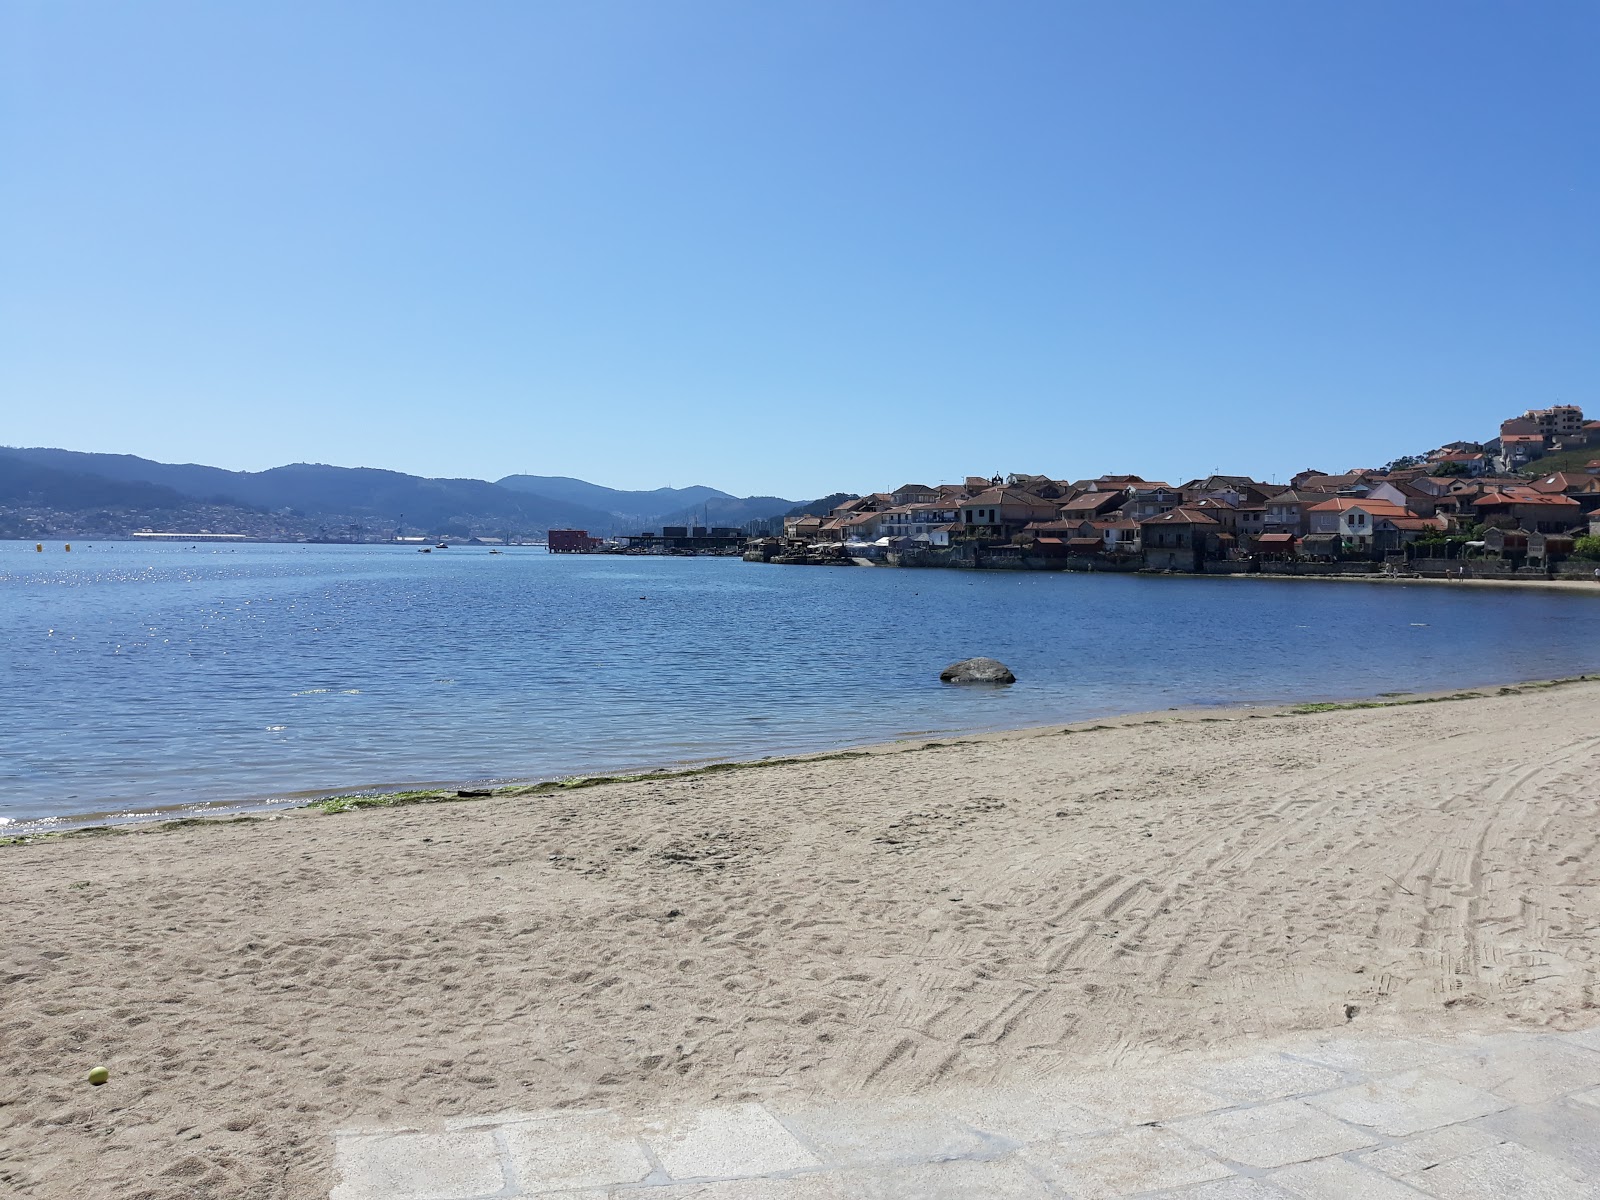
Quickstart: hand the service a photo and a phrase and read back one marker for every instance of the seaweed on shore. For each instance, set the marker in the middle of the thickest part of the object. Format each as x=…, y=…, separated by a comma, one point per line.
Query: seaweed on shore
x=1304, y=709
x=349, y=803
x=1513, y=690
x=191, y=822
x=339, y=804
x=87, y=831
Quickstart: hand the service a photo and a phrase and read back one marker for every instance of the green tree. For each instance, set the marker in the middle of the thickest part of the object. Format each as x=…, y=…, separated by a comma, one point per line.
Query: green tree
x=1449, y=468
x=1586, y=547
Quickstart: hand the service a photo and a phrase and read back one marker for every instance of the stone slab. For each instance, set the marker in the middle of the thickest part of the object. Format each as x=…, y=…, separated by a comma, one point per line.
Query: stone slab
x=1025, y=1116
x=584, y=1150
x=1273, y=1135
x=1428, y=1150
x=1504, y=1172
x=1513, y=1116
x=827, y=1186
x=1525, y=1070
x=926, y=1181
x=1338, y=1179
x=1569, y=1132
x=881, y=1133
x=1407, y=1103
x=1235, y=1188
x=1588, y=1037
x=1123, y=1163
x=1265, y=1076
x=1368, y=1055
x=1133, y=1098
x=417, y=1166
x=945, y=1181
x=734, y=1141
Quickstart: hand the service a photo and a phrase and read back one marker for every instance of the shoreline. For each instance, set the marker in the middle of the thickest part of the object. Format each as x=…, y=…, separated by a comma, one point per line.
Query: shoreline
x=334, y=801
x=1563, y=585
x=1580, y=583
x=1013, y=909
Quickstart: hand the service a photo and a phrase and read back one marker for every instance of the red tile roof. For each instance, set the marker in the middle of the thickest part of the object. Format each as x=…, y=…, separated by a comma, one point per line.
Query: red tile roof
x=1186, y=515
x=1524, y=496
x=1377, y=508
x=1565, y=481
x=1002, y=496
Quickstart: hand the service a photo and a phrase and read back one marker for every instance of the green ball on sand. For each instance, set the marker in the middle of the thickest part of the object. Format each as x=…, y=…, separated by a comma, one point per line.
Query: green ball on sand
x=98, y=1076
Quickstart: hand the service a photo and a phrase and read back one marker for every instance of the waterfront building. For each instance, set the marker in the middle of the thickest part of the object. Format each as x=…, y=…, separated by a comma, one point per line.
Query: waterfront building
x=1005, y=510
x=1180, y=540
x=572, y=541
x=1525, y=508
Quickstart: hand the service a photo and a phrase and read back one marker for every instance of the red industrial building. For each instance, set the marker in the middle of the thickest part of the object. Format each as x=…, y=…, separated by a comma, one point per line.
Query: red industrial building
x=572, y=541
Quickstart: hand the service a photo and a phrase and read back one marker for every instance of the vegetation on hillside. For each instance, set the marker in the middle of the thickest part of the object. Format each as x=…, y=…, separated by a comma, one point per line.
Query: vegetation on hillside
x=1563, y=460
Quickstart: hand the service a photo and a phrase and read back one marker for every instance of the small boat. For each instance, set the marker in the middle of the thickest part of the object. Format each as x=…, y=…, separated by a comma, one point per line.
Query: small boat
x=442, y=546
x=426, y=550
x=494, y=552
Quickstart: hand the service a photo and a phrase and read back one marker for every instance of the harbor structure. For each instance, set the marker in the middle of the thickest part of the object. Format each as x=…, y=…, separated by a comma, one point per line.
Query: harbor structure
x=573, y=541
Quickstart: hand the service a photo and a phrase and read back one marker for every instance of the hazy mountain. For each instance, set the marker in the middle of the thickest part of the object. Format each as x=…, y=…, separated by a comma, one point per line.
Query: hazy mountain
x=26, y=484
x=729, y=511
x=594, y=495
x=663, y=506
x=186, y=479
x=822, y=507
x=71, y=480
x=333, y=494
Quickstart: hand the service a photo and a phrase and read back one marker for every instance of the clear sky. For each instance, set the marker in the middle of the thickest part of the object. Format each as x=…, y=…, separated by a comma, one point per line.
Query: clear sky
x=794, y=246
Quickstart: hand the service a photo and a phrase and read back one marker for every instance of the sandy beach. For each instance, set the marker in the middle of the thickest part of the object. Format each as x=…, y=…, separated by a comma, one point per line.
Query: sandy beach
x=998, y=909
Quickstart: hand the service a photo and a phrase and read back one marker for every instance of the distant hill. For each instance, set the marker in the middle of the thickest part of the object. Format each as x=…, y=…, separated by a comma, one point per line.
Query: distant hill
x=336, y=495
x=26, y=484
x=594, y=495
x=730, y=511
x=68, y=481
x=663, y=506
x=822, y=507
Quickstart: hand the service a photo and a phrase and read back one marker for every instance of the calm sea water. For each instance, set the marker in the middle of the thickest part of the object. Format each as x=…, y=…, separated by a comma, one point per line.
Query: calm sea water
x=137, y=677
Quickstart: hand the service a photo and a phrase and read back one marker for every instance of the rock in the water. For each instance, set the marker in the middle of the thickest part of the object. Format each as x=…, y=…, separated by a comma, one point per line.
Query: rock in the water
x=978, y=670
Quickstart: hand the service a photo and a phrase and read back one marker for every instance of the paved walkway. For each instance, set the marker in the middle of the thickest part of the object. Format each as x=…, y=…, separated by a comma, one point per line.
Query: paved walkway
x=1319, y=1118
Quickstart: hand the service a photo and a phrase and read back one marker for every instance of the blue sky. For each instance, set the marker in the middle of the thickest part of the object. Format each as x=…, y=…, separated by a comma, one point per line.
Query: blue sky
x=793, y=247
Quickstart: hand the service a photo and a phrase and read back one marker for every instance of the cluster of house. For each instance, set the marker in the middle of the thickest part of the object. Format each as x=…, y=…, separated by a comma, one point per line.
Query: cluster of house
x=1129, y=522
x=1523, y=441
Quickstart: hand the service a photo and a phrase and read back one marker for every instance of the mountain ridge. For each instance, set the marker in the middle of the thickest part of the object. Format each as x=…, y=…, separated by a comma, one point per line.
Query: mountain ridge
x=365, y=496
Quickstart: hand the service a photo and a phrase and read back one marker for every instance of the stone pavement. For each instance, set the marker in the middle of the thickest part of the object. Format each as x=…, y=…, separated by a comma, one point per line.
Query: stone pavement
x=1316, y=1118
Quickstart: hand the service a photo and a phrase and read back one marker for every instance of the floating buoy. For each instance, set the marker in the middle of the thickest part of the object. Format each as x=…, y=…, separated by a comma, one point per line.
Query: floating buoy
x=69, y=547
x=38, y=547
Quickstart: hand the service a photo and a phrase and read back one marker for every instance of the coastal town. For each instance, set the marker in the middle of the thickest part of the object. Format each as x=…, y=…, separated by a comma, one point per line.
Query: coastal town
x=1479, y=508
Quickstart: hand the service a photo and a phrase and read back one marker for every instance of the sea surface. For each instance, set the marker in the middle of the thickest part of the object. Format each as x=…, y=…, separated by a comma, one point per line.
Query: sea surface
x=135, y=678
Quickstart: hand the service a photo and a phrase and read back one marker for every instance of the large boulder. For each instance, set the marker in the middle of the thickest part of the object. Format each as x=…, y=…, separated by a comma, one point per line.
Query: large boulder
x=978, y=670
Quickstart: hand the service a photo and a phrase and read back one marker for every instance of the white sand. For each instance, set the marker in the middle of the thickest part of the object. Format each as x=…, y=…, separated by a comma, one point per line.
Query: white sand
x=1006, y=908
